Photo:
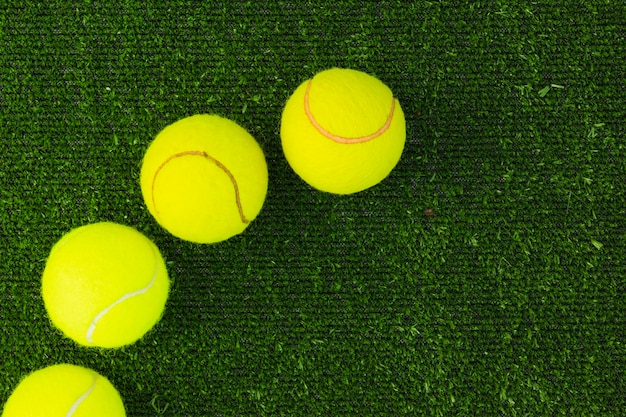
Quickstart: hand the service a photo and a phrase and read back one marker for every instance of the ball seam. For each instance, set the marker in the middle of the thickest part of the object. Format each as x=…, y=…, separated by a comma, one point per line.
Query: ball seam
x=343, y=139
x=220, y=165
x=94, y=323
x=83, y=397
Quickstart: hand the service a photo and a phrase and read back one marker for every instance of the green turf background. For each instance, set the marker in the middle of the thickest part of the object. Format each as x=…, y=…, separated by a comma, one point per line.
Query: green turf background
x=509, y=301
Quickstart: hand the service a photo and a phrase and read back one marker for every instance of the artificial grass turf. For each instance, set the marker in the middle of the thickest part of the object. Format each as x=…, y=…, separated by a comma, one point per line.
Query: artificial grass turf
x=508, y=300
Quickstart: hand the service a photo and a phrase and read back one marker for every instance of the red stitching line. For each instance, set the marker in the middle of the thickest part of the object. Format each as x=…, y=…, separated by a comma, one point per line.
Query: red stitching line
x=342, y=139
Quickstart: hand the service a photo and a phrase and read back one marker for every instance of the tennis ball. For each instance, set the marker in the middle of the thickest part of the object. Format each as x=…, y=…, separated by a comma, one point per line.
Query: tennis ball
x=204, y=178
x=342, y=131
x=104, y=285
x=63, y=391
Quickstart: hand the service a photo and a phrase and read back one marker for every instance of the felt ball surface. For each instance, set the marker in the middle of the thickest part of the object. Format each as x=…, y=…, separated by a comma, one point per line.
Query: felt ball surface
x=204, y=178
x=105, y=285
x=64, y=391
x=342, y=131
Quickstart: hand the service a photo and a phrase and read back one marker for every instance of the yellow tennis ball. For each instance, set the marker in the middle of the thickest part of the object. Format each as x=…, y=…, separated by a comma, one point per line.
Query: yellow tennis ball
x=63, y=391
x=105, y=285
x=204, y=178
x=342, y=131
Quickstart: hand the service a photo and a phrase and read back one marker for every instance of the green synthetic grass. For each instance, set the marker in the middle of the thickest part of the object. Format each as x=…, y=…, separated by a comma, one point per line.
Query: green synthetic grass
x=507, y=300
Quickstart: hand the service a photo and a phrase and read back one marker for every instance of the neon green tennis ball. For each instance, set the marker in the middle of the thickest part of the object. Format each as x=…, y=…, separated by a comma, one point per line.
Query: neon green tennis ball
x=63, y=391
x=204, y=178
x=105, y=285
x=342, y=131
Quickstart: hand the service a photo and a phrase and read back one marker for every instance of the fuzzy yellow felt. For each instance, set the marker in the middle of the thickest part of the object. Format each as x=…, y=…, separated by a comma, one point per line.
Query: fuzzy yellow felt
x=105, y=285
x=342, y=131
x=64, y=391
x=204, y=178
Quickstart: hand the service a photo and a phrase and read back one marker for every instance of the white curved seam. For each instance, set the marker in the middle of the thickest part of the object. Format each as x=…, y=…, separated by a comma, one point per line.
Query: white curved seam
x=82, y=398
x=94, y=323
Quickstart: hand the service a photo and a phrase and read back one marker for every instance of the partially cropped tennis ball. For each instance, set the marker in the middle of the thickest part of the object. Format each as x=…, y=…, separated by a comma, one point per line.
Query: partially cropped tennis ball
x=342, y=131
x=63, y=391
x=204, y=178
x=105, y=285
